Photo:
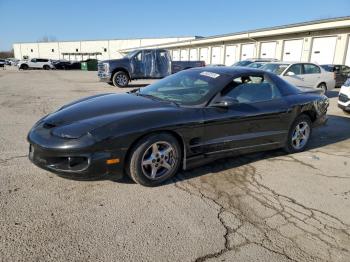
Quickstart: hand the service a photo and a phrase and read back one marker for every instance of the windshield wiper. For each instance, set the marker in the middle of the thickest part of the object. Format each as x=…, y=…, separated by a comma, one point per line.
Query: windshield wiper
x=156, y=98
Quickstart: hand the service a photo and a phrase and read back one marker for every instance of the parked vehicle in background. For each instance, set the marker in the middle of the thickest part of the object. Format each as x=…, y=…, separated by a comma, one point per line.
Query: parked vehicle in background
x=344, y=96
x=66, y=65
x=342, y=72
x=302, y=74
x=253, y=60
x=142, y=64
x=37, y=63
x=256, y=65
x=2, y=63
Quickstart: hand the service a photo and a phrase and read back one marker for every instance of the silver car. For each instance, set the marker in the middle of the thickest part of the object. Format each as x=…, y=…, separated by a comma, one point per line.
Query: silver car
x=303, y=74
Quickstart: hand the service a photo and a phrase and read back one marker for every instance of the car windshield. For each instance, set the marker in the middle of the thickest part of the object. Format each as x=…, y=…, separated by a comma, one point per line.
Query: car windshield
x=256, y=65
x=131, y=54
x=275, y=68
x=242, y=63
x=188, y=88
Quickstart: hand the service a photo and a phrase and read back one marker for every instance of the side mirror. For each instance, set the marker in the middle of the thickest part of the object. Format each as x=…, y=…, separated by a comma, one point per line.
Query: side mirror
x=290, y=73
x=225, y=102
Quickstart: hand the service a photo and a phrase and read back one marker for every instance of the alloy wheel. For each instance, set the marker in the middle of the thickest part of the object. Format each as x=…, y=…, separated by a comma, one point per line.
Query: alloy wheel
x=122, y=79
x=158, y=160
x=300, y=135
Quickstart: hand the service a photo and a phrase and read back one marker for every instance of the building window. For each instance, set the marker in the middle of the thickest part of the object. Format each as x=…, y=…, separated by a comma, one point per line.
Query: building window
x=52, y=50
x=105, y=49
x=76, y=50
x=31, y=50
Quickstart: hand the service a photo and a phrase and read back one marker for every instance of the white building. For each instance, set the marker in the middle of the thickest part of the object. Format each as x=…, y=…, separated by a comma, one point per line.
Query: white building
x=322, y=41
x=81, y=50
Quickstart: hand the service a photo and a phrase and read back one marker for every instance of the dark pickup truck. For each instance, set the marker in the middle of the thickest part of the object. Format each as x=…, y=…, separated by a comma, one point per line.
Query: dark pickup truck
x=142, y=64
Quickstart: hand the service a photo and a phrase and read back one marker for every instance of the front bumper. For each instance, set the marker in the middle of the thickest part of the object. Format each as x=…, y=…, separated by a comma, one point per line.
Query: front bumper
x=83, y=161
x=103, y=76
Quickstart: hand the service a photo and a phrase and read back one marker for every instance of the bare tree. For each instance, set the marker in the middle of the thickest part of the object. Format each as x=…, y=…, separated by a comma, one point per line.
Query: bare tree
x=7, y=54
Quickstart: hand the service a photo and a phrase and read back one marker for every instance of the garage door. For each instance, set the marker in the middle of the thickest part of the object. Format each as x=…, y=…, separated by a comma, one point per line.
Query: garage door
x=268, y=50
x=292, y=50
x=193, y=54
x=323, y=49
x=230, y=55
x=347, y=59
x=216, y=55
x=176, y=55
x=184, y=55
x=203, y=55
x=247, y=51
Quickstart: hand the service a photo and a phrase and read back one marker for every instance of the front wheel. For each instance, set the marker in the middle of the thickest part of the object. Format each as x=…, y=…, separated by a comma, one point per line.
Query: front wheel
x=120, y=79
x=154, y=159
x=299, y=135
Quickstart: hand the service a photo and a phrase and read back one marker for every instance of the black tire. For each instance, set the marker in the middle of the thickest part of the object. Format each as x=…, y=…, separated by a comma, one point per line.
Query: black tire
x=24, y=67
x=323, y=86
x=290, y=146
x=46, y=67
x=137, y=171
x=120, y=79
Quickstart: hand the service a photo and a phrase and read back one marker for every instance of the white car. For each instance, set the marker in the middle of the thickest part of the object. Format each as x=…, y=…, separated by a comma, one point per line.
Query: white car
x=344, y=96
x=38, y=63
x=303, y=74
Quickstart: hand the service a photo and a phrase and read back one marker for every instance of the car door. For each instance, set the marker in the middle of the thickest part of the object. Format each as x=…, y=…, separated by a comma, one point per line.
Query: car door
x=312, y=75
x=33, y=63
x=344, y=74
x=257, y=119
x=294, y=75
x=136, y=65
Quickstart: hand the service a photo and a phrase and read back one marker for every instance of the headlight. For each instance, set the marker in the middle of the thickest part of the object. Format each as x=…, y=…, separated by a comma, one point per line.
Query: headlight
x=106, y=67
x=72, y=131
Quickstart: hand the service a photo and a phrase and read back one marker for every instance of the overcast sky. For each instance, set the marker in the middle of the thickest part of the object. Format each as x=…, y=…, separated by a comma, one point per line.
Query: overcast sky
x=31, y=20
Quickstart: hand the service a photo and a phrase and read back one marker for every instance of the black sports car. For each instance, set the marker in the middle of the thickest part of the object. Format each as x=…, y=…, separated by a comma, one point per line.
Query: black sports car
x=179, y=121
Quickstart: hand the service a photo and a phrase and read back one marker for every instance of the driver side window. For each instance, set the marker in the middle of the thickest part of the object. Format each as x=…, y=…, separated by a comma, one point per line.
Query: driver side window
x=297, y=69
x=252, y=89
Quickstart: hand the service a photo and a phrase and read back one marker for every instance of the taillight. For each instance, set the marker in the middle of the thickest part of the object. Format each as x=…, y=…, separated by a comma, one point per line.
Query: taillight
x=334, y=76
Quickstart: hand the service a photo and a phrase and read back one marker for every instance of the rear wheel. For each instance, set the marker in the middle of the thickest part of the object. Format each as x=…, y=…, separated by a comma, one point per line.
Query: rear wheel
x=120, y=79
x=46, y=67
x=323, y=86
x=299, y=134
x=154, y=159
x=24, y=67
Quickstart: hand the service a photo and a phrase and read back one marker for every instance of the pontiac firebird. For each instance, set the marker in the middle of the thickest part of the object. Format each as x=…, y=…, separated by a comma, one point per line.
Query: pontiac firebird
x=178, y=122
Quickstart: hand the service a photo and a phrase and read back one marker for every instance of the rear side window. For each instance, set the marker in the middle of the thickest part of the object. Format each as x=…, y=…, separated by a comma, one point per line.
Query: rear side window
x=296, y=69
x=311, y=69
x=42, y=60
x=253, y=89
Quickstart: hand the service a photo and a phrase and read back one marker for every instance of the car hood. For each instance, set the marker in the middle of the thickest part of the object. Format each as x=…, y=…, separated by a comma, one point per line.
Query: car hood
x=78, y=118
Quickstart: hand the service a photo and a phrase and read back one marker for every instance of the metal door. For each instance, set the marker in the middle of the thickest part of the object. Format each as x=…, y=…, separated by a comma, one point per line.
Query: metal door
x=268, y=50
x=292, y=50
x=247, y=51
x=203, y=55
x=193, y=54
x=216, y=55
x=323, y=49
x=230, y=55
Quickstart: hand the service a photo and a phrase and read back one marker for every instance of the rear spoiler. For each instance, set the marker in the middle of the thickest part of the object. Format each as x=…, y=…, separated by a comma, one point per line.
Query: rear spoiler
x=306, y=90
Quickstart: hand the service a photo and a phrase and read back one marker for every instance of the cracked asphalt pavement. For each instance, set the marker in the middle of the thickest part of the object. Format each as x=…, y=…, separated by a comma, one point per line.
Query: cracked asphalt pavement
x=261, y=207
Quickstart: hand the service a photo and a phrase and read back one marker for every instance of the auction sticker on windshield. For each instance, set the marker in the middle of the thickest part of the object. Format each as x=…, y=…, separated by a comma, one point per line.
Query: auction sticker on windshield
x=209, y=74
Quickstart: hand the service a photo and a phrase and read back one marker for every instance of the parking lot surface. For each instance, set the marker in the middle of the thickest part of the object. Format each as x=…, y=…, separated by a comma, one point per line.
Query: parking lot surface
x=260, y=207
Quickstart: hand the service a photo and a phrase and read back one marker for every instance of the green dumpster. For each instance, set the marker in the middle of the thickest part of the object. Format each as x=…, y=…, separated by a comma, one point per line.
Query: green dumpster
x=89, y=65
x=84, y=66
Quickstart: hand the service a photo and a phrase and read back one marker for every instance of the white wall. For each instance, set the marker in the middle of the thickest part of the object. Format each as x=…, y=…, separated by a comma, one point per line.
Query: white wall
x=44, y=50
